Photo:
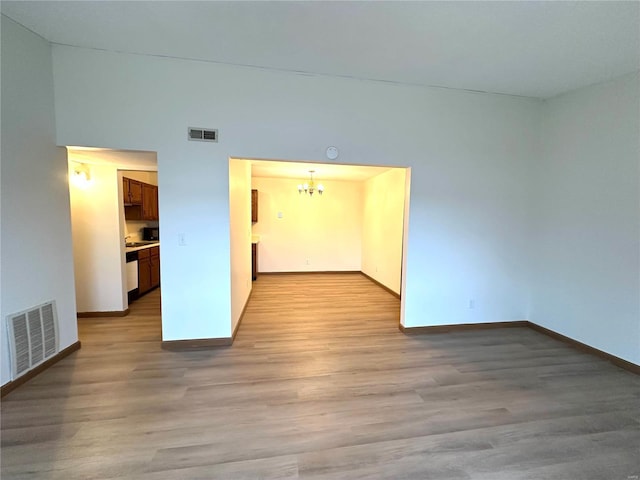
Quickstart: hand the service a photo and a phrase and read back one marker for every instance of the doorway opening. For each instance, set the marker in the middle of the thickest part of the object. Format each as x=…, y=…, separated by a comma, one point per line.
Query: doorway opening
x=357, y=224
x=114, y=226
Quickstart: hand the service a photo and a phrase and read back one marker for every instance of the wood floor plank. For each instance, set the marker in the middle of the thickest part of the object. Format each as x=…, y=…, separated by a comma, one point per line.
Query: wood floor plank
x=321, y=384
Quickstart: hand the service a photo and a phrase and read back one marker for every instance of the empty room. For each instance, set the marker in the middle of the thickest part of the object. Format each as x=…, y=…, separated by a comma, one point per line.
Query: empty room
x=477, y=319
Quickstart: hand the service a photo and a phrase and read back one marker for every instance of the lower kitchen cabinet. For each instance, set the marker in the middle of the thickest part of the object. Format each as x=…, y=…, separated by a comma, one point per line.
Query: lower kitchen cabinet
x=144, y=271
x=148, y=269
x=154, y=258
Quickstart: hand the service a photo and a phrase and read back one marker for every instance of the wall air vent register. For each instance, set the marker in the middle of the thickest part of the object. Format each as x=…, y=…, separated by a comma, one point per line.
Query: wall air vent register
x=33, y=337
x=202, y=134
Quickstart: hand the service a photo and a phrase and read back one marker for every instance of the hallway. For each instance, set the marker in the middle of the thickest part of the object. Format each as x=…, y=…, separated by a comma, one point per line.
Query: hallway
x=320, y=384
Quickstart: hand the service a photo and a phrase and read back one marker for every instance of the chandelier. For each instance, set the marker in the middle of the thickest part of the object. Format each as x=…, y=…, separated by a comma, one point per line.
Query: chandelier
x=310, y=186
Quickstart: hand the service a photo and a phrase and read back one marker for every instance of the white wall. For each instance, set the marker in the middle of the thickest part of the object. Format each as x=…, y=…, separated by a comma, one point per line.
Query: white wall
x=315, y=234
x=240, y=236
x=383, y=226
x=97, y=239
x=36, y=254
x=468, y=152
x=587, y=220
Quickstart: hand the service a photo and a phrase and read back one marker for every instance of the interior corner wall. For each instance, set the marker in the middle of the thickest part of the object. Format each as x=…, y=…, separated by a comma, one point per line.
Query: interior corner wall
x=586, y=223
x=383, y=227
x=240, y=231
x=36, y=253
x=302, y=233
x=97, y=244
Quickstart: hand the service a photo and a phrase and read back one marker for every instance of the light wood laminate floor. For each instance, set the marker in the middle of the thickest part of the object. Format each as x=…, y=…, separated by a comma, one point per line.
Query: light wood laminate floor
x=320, y=384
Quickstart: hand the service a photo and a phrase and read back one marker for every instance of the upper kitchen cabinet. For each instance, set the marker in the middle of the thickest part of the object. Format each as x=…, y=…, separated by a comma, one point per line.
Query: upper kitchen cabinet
x=149, y=202
x=132, y=191
x=254, y=206
x=146, y=208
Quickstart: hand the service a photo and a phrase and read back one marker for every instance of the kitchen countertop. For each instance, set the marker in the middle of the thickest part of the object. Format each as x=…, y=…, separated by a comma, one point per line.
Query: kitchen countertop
x=142, y=247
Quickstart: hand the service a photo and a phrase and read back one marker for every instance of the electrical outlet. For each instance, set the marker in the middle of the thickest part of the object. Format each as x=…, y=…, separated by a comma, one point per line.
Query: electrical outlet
x=472, y=304
x=182, y=241
x=307, y=262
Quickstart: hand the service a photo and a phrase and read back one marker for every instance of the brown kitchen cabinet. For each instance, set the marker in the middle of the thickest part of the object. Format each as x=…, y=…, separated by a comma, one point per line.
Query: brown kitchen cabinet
x=148, y=269
x=154, y=258
x=149, y=202
x=144, y=271
x=254, y=261
x=144, y=208
x=254, y=206
x=155, y=210
x=131, y=191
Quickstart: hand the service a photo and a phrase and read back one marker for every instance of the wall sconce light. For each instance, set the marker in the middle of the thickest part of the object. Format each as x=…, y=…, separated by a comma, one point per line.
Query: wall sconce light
x=81, y=175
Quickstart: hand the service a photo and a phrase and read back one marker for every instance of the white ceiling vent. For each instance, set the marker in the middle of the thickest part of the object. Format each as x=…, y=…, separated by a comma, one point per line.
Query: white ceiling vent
x=33, y=337
x=203, y=134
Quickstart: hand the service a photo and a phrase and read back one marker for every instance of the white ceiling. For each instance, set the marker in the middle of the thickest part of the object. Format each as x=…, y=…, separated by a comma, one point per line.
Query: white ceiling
x=529, y=48
x=323, y=171
x=123, y=159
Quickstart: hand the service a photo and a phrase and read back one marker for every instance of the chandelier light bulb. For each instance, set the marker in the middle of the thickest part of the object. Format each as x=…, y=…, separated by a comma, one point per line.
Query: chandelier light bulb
x=310, y=186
